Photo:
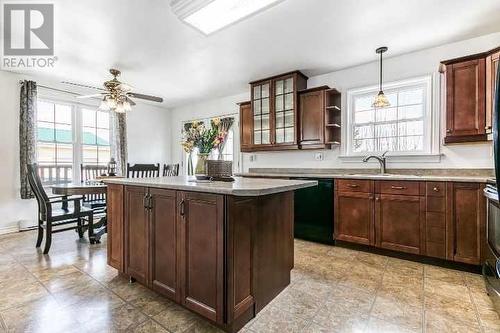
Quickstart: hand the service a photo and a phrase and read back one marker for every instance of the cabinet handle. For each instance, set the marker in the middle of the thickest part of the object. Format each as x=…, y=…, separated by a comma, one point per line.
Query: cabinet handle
x=436, y=189
x=448, y=131
x=398, y=187
x=487, y=128
x=145, y=201
x=377, y=199
x=150, y=201
x=182, y=208
x=353, y=186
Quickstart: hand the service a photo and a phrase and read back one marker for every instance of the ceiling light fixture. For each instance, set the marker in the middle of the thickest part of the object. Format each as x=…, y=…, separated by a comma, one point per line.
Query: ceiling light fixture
x=381, y=100
x=208, y=16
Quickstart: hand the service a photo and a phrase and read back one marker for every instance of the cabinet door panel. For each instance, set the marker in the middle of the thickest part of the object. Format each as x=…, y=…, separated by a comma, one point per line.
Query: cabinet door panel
x=311, y=115
x=137, y=225
x=400, y=223
x=246, y=125
x=491, y=76
x=466, y=222
x=354, y=217
x=164, y=242
x=115, y=226
x=465, y=99
x=202, y=253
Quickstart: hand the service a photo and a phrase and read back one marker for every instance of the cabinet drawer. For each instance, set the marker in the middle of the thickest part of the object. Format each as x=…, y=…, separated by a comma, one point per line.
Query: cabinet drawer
x=398, y=187
x=436, y=204
x=354, y=185
x=435, y=189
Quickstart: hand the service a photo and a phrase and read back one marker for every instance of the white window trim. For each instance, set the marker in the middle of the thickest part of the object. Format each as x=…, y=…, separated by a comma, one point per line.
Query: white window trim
x=76, y=126
x=432, y=106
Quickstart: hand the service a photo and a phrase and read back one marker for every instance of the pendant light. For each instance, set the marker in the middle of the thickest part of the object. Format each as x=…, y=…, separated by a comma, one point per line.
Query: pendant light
x=381, y=100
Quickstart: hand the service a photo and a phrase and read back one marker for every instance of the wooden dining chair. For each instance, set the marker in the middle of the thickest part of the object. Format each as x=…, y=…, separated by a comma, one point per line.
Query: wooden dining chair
x=143, y=170
x=89, y=173
x=170, y=170
x=54, y=220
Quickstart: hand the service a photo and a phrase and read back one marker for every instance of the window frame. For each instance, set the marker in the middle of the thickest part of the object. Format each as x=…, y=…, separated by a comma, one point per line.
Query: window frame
x=77, y=130
x=429, y=129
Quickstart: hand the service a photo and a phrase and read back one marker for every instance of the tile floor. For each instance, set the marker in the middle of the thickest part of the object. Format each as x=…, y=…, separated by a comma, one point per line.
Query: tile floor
x=333, y=290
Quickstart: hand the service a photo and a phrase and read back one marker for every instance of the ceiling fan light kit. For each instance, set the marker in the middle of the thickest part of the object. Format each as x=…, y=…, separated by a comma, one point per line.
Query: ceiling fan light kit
x=381, y=101
x=116, y=95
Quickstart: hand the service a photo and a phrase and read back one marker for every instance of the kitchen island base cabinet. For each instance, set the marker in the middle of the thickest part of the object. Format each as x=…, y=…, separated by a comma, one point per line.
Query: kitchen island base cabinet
x=224, y=257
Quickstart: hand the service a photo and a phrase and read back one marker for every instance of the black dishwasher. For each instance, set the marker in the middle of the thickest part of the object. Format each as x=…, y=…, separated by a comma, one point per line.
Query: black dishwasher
x=314, y=212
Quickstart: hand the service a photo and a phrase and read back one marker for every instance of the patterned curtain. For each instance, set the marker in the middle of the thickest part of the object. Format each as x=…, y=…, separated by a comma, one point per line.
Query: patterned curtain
x=27, y=133
x=224, y=126
x=119, y=141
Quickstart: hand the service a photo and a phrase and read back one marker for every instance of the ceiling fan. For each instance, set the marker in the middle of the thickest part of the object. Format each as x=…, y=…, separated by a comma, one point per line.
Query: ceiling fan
x=117, y=96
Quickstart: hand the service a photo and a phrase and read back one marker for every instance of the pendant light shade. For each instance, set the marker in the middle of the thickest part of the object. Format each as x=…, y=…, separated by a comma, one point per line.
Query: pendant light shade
x=381, y=100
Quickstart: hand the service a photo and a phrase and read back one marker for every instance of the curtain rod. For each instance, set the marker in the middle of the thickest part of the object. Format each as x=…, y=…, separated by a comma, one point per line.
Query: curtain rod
x=55, y=89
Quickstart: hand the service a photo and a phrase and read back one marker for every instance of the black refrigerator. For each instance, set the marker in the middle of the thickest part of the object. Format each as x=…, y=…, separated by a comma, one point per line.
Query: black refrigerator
x=491, y=267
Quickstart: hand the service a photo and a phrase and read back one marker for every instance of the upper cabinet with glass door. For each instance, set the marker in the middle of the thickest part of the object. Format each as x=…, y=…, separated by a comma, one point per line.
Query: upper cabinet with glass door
x=274, y=112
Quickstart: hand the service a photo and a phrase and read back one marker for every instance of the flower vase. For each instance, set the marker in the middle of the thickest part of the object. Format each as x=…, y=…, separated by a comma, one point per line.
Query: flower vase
x=190, y=169
x=201, y=164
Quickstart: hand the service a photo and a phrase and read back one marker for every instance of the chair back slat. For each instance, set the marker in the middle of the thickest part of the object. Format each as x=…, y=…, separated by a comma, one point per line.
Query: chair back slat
x=170, y=170
x=37, y=188
x=91, y=171
x=143, y=170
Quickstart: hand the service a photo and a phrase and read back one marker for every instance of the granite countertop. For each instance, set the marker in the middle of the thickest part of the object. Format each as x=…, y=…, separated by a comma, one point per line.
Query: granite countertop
x=455, y=175
x=247, y=187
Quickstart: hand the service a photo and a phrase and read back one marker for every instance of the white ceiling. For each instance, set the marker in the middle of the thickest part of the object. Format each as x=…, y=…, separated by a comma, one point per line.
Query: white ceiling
x=160, y=55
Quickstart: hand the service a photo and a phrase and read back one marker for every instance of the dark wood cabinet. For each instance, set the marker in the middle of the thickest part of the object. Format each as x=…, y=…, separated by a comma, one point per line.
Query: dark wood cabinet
x=164, y=245
x=115, y=226
x=491, y=79
x=136, y=233
x=246, y=125
x=201, y=226
x=466, y=222
x=466, y=101
x=444, y=220
x=400, y=223
x=354, y=217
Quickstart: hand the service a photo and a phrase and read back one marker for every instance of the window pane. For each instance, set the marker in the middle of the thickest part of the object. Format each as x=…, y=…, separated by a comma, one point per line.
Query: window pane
x=257, y=123
x=288, y=101
x=103, y=137
x=411, y=112
x=89, y=154
x=364, y=145
x=364, y=117
x=363, y=132
x=256, y=107
x=89, y=136
x=257, y=137
x=387, y=114
x=46, y=153
x=63, y=114
x=279, y=103
x=279, y=87
x=363, y=103
x=385, y=144
x=102, y=119
x=265, y=90
x=45, y=111
x=265, y=122
x=412, y=96
x=289, y=85
x=280, y=119
x=256, y=92
x=88, y=118
x=64, y=154
x=385, y=130
x=104, y=155
x=411, y=128
x=289, y=134
x=265, y=137
x=289, y=121
x=280, y=135
x=64, y=133
x=411, y=143
x=45, y=131
x=265, y=106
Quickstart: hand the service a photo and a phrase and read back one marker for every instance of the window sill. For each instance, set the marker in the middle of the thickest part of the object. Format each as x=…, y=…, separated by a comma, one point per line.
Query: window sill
x=422, y=158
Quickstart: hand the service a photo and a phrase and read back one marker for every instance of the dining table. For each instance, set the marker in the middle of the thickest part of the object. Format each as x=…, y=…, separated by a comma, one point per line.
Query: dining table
x=93, y=187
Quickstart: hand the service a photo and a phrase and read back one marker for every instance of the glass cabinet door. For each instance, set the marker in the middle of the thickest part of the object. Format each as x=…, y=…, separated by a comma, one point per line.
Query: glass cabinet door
x=284, y=111
x=261, y=106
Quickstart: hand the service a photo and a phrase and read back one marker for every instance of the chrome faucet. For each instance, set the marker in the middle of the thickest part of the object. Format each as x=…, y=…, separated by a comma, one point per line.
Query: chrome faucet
x=380, y=159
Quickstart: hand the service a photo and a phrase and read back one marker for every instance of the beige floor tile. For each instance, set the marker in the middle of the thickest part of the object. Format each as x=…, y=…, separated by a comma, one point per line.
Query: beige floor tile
x=13, y=295
x=277, y=320
x=437, y=323
x=315, y=287
x=489, y=317
x=405, y=267
x=176, y=319
x=452, y=308
x=444, y=274
x=376, y=325
x=151, y=305
x=298, y=303
x=149, y=326
x=446, y=289
x=398, y=313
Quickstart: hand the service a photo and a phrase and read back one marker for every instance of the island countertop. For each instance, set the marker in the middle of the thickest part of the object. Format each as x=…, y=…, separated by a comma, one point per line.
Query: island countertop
x=247, y=187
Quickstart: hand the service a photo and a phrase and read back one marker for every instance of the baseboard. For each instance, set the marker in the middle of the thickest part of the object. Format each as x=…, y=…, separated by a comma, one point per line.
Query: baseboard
x=9, y=230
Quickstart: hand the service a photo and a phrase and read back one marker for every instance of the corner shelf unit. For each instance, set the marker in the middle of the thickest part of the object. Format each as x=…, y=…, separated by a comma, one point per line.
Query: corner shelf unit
x=333, y=117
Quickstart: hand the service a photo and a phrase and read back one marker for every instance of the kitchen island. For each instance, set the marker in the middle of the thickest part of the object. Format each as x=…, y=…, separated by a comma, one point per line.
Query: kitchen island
x=223, y=250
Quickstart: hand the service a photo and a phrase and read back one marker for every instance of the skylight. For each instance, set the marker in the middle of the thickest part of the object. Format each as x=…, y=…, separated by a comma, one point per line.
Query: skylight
x=210, y=16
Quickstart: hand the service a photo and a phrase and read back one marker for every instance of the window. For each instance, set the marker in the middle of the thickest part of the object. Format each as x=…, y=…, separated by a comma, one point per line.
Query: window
x=404, y=127
x=68, y=135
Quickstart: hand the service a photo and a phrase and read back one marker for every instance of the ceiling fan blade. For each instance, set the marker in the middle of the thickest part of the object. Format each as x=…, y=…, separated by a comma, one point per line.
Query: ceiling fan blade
x=91, y=96
x=82, y=85
x=131, y=101
x=145, y=97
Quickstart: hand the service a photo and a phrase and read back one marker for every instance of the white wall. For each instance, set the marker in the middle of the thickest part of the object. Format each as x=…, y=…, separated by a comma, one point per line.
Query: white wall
x=410, y=65
x=148, y=134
